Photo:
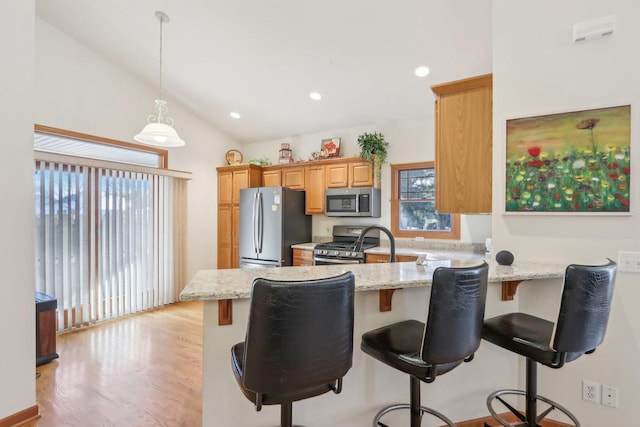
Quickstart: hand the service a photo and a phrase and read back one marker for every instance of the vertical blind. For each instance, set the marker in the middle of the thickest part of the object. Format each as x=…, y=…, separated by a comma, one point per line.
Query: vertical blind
x=109, y=242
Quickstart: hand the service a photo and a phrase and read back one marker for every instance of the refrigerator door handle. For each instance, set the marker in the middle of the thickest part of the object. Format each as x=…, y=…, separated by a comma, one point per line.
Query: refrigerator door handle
x=260, y=223
x=254, y=222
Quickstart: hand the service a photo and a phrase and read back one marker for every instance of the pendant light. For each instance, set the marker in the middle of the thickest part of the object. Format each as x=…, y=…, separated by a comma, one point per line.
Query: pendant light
x=159, y=132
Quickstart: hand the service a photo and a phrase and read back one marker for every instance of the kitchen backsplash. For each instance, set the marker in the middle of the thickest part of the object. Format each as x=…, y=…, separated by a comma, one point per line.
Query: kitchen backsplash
x=421, y=244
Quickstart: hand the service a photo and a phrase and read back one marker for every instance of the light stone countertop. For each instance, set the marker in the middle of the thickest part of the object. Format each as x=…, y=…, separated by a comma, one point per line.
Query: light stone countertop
x=435, y=254
x=236, y=283
x=432, y=254
x=308, y=246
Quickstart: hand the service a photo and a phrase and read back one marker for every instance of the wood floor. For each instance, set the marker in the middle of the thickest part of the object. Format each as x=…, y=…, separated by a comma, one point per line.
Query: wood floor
x=141, y=370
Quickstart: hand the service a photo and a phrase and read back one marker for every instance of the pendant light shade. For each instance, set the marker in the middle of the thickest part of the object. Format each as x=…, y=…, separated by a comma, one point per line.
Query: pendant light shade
x=160, y=132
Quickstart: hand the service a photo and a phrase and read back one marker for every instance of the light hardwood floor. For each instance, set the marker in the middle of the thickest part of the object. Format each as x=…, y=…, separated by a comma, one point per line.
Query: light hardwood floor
x=141, y=370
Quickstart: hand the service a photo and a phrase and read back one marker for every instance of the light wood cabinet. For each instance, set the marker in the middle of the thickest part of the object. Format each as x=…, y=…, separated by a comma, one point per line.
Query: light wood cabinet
x=272, y=178
x=294, y=178
x=225, y=236
x=352, y=174
x=337, y=175
x=360, y=174
x=464, y=145
x=314, y=187
x=327, y=173
x=302, y=257
x=382, y=258
x=225, y=187
x=235, y=226
x=231, y=179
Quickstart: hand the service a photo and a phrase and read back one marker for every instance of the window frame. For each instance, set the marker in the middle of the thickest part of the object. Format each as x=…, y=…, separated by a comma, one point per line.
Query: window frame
x=454, y=234
x=163, y=154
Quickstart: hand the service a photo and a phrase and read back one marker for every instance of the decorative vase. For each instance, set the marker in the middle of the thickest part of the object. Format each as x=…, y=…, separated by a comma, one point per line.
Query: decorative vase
x=377, y=171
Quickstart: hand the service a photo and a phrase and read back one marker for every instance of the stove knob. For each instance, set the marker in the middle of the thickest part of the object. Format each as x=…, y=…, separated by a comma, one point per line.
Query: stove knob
x=335, y=253
x=324, y=252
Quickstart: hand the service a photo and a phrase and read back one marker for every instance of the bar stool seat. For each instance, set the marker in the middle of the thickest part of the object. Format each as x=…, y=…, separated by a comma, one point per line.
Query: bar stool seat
x=580, y=329
x=399, y=346
x=450, y=336
x=299, y=341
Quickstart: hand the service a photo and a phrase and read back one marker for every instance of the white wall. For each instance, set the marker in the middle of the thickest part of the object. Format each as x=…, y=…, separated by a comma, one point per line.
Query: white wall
x=17, y=308
x=80, y=91
x=410, y=141
x=538, y=70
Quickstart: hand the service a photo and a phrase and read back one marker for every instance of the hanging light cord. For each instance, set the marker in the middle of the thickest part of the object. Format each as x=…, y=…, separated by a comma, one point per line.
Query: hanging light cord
x=161, y=21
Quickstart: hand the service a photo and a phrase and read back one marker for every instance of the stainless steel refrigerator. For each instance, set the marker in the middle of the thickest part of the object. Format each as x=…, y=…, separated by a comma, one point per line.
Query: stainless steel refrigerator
x=271, y=220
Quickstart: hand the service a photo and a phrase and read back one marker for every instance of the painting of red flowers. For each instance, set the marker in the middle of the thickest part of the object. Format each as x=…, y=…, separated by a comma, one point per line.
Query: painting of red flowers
x=575, y=162
x=330, y=147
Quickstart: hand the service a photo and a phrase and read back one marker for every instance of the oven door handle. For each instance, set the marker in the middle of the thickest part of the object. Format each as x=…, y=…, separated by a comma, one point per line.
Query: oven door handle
x=336, y=261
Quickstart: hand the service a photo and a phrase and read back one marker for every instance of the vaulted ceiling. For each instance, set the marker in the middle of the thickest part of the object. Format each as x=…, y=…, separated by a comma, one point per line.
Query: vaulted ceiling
x=262, y=58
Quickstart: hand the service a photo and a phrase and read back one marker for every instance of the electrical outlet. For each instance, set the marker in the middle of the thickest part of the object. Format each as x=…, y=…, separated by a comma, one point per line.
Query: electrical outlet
x=590, y=391
x=609, y=396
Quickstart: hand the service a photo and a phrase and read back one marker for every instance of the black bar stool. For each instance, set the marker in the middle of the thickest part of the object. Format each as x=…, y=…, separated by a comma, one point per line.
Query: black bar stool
x=581, y=326
x=299, y=341
x=450, y=336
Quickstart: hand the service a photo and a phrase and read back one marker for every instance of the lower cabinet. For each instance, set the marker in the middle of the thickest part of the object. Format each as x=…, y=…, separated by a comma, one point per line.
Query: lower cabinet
x=385, y=258
x=302, y=257
x=225, y=236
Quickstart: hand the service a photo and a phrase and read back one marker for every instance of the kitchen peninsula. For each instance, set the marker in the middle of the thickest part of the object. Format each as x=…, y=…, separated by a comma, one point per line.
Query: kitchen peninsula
x=369, y=385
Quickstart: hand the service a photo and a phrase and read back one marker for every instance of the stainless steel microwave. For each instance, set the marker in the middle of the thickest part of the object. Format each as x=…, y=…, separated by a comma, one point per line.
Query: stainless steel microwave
x=362, y=202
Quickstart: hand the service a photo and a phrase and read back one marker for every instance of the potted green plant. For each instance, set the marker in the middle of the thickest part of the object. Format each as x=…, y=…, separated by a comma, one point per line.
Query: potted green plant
x=373, y=148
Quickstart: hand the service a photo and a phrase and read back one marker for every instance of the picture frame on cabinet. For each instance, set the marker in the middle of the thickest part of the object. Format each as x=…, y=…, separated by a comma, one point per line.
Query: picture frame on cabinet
x=330, y=148
x=569, y=163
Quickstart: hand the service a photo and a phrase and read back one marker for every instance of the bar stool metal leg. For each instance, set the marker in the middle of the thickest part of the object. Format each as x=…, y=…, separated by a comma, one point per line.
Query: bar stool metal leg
x=417, y=411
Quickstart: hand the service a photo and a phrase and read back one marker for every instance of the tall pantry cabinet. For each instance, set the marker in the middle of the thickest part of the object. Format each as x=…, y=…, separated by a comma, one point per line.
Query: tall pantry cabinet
x=230, y=180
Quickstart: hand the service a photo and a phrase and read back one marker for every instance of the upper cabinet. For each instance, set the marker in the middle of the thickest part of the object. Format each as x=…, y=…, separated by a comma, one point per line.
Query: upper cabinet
x=316, y=176
x=293, y=178
x=337, y=175
x=232, y=178
x=463, y=145
x=360, y=174
x=271, y=178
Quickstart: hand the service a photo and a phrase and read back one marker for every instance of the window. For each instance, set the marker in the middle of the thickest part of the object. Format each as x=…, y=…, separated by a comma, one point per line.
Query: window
x=109, y=235
x=413, y=207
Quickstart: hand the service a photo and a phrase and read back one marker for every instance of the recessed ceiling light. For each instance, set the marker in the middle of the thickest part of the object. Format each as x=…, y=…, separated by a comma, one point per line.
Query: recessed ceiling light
x=315, y=96
x=234, y=115
x=422, y=71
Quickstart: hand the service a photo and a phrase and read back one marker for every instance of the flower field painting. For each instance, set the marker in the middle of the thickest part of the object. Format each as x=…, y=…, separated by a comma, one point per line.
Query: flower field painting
x=576, y=162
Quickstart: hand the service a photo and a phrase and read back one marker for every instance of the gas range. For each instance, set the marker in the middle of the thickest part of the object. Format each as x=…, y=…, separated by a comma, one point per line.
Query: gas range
x=343, y=250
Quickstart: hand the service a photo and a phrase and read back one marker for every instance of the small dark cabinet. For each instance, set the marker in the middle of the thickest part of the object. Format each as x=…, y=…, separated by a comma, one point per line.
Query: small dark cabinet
x=46, y=306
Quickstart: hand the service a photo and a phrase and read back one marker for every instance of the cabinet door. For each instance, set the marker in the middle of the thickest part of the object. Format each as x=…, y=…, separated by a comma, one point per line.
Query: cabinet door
x=240, y=180
x=271, y=178
x=337, y=175
x=225, y=236
x=464, y=145
x=302, y=257
x=381, y=258
x=314, y=186
x=360, y=174
x=294, y=178
x=235, y=236
x=406, y=258
x=225, y=187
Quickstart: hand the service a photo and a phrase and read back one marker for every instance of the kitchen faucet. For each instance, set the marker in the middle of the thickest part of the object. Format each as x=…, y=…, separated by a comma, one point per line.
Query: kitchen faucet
x=392, y=240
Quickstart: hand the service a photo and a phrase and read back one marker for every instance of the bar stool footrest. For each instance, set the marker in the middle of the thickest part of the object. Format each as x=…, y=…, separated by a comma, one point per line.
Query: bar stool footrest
x=552, y=405
x=423, y=409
